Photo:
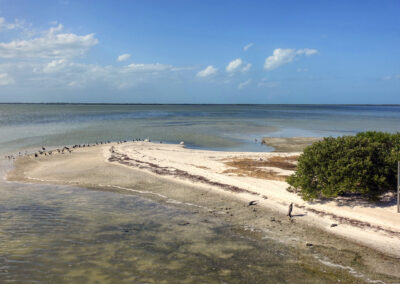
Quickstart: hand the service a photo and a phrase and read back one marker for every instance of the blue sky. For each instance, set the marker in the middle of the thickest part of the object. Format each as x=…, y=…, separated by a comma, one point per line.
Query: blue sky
x=200, y=51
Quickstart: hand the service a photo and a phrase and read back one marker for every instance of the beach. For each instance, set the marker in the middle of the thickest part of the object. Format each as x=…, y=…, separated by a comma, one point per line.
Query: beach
x=213, y=209
x=214, y=184
x=199, y=142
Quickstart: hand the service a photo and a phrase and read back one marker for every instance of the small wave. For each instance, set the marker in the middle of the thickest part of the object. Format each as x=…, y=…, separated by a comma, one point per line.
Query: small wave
x=195, y=205
x=168, y=200
x=136, y=190
x=173, y=201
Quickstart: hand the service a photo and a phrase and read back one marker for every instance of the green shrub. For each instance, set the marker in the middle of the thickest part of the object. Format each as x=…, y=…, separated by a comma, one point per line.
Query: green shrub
x=364, y=164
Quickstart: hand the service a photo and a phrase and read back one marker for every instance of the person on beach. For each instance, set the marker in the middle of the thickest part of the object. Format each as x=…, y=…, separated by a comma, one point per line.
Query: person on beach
x=290, y=210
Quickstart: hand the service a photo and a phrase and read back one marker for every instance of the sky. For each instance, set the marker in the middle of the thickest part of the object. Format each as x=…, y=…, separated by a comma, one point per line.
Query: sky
x=200, y=51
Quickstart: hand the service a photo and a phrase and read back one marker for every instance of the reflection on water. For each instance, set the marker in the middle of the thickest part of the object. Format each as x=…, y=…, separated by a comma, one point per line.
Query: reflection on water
x=52, y=234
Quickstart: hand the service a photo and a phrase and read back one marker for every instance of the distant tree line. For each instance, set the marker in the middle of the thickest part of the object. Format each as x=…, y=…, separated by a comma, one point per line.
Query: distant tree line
x=363, y=164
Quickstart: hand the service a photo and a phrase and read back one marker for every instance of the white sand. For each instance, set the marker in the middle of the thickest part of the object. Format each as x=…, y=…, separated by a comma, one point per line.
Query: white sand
x=371, y=225
x=209, y=164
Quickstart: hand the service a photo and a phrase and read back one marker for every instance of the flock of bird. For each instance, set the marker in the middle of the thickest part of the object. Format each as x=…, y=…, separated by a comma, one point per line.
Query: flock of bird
x=44, y=152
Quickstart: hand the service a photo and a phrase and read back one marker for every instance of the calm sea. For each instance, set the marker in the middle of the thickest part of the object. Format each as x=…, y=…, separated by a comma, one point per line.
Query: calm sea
x=218, y=127
x=59, y=234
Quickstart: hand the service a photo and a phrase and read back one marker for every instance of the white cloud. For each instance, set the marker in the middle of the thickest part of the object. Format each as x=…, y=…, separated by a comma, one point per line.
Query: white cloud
x=45, y=59
x=283, y=56
x=54, y=30
x=55, y=66
x=208, y=71
x=244, y=84
x=246, y=68
x=307, y=51
x=247, y=46
x=234, y=65
x=51, y=45
x=5, y=79
x=153, y=67
x=4, y=25
x=123, y=57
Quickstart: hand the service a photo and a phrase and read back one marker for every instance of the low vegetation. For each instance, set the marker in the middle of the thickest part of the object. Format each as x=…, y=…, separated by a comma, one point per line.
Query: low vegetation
x=262, y=168
x=364, y=164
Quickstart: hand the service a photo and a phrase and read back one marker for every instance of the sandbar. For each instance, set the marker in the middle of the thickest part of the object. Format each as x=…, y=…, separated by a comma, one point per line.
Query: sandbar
x=289, y=144
x=222, y=183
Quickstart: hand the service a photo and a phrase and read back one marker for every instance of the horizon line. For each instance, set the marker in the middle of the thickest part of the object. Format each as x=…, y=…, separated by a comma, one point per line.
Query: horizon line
x=301, y=104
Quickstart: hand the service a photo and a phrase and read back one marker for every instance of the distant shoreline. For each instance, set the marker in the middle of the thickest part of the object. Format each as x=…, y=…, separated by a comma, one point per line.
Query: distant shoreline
x=185, y=104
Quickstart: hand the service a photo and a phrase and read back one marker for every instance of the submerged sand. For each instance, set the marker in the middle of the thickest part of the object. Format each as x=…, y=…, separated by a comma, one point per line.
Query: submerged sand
x=222, y=183
x=290, y=144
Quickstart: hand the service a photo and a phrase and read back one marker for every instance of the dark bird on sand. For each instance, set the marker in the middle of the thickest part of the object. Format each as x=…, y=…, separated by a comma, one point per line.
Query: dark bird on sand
x=254, y=202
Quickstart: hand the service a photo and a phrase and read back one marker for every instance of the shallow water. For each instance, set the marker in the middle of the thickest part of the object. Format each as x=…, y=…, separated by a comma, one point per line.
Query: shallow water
x=58, y=234
x=218, y=127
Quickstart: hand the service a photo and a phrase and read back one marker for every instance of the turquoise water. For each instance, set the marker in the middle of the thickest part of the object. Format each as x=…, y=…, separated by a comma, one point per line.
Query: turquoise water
x=59, y=234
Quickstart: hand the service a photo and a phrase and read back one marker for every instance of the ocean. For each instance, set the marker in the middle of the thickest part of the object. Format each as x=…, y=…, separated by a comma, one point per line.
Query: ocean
x=63, y=234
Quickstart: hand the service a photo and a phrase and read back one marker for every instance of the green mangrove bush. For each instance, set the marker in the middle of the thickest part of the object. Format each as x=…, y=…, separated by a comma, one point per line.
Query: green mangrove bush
x=363, y=164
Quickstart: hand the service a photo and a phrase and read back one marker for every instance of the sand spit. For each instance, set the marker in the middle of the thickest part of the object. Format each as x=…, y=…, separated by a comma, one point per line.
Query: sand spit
x=292, y=144
x=228, y=174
